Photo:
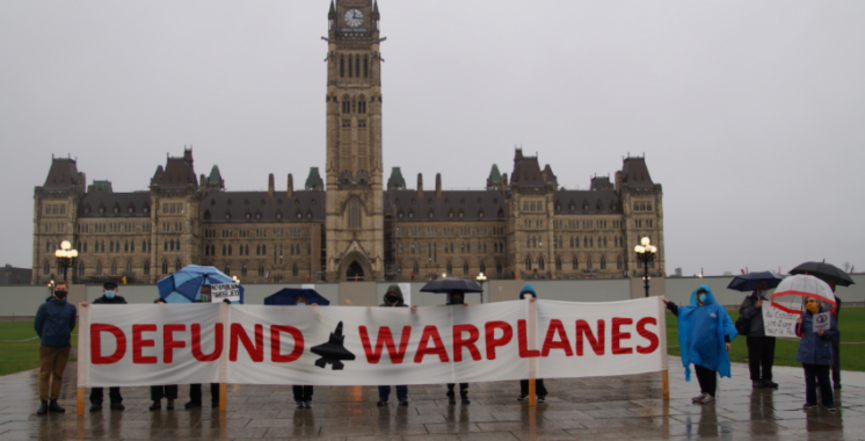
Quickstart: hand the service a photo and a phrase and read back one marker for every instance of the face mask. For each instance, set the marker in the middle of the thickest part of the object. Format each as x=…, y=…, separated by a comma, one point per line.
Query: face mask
x=456, y=300
x=701, y=298
x=60, y=294
x=392, y=299
x=812, y=307
x=110, y=294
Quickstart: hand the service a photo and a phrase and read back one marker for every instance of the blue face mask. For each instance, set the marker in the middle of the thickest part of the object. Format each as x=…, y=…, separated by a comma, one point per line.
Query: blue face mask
x=701, y=298
x=110, y=294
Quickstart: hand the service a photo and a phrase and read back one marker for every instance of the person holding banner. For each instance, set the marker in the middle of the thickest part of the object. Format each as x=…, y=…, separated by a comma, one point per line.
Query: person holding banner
x=815, y=352
x=195, y=389
x=169, y=392
x=109, y=297
x=457, y=298
x=705, y=333
x=54, y=322
x=302, y=393
x=761, y=348
x=541, y=391
x=393, y=298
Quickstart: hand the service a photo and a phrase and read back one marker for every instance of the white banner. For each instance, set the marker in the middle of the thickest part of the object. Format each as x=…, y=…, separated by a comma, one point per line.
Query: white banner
x=137, y=345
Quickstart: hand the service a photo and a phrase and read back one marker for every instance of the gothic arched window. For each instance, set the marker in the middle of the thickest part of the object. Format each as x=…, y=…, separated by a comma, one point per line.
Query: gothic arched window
x=146, y=267
x=528, y=263
x=558, y=264
x=575, y=264
x=243, y=270
x=449, y=269
x=354, y=214
x=603, y=263
x=499, y=268
x=541, y=263
x=620, y=263
x=177, y=265
x=294, y=270
x=483, y=267
x=465, y=268
x=342, y=65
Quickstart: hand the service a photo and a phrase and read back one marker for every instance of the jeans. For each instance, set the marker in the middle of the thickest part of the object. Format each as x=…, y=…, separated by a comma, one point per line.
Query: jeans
x=815, y=373
x=159, y=392
x=52, y=362
x=195, y=393
x=302, y=393
x=96, y=395
x=708, y=379
x=401, y=393
x=761, y=354
x=540, y=390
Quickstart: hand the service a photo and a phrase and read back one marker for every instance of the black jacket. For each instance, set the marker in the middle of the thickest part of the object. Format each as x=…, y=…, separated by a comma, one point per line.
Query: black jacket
x=754, y=315
x=117, y=300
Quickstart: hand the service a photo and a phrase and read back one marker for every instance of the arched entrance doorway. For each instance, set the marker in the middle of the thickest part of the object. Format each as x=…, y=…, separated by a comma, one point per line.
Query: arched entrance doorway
x=354, y=272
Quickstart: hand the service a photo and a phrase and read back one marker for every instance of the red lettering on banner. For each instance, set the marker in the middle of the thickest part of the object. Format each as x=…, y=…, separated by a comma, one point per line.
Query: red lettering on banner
x=431, y=333
x=491, y=341
x=278, y=357
x=654, y=341
x=563, y=343
x=169, y=343
x=583, y=329
x=469, y=343
x=385, y=340
x=618, y=335
x=524, y=344
x=256, y=352
x=138, y=344
x=196, y=343
x=96, y=357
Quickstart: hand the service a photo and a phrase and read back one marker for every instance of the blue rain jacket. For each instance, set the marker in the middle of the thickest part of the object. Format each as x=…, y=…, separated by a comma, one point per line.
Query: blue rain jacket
x=54, y=323
x=701, y=334
x=814, y=349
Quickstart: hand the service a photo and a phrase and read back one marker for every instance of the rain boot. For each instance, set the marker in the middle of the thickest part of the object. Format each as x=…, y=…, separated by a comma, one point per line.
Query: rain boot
x=54, y=407
x=43, y=408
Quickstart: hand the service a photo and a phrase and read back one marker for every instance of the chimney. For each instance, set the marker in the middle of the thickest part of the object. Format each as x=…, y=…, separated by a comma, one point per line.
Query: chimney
x=290, y=191
x=270, y=185
x=438, y=185
x=202, y=181
x=420, y=185
x=504, y=182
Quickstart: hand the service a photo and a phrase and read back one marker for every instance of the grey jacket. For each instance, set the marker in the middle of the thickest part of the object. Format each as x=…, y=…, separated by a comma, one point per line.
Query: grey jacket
x=755, y=316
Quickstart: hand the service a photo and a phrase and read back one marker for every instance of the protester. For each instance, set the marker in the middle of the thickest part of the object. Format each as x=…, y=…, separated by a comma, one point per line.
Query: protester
x=195, y=389
x=55, y=320
x=540, y=390
x=761, y=348
x=302, y=393
x=815, y=354
x=836, y=341
x=457, y=298
x=393, y=298
x=169, y=392
x=109, y=297
x=705, y=333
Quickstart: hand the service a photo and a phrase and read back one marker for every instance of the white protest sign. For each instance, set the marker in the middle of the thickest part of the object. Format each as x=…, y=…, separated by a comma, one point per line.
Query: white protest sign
x=308, y=286
x=406, y=292
x=779, y=323
x=223, y=291
x=822, y=321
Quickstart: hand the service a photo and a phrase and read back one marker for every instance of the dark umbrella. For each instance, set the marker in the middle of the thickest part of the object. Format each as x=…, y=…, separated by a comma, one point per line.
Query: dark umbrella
x=288, y=296
x=451, y=284
x=747, y=282
x=824, y=271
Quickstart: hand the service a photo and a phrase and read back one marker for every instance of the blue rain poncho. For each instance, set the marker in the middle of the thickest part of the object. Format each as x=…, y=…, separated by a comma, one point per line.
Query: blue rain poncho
x=701, y=334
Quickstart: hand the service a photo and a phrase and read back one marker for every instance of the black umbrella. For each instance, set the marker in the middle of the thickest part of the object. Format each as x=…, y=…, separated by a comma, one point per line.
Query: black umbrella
x=747, y=282
x=824, y=271
x=451, y=284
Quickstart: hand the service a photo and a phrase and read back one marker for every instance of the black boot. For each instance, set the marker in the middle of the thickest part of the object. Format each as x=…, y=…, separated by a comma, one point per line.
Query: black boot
x=43, y=408
x=54, y=407
x=451, y=397
x=464, y=397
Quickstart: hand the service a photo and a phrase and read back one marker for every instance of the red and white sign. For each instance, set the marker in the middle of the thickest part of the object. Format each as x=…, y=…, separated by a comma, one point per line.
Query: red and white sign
x=138, y=345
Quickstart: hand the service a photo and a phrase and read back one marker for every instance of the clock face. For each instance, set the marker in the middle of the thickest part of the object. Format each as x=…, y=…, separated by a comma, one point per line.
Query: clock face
x=353, y=18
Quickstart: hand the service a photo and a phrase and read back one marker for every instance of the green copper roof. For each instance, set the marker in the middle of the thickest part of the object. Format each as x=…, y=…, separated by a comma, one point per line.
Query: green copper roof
x=396, y=180
x=313, y=181
x=103, y=186
x=215, y=177
x=495, y=176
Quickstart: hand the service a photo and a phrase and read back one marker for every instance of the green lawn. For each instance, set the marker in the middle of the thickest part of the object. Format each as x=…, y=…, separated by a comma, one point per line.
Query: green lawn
x=852, y=326
x=16, y=357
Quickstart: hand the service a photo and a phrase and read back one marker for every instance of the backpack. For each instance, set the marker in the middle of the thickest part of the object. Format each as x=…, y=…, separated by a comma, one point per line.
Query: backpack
x=743, y=326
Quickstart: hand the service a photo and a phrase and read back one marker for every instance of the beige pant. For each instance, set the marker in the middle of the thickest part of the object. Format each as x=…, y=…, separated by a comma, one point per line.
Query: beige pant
x=52, y=362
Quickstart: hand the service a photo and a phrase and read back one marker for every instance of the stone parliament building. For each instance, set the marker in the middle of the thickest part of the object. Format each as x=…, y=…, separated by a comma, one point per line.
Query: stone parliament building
x=351, y=225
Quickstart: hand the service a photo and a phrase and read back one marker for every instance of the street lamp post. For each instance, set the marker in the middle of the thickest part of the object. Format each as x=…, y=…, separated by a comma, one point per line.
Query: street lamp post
x=66, y=256
x=646, y=255
x=481, y=278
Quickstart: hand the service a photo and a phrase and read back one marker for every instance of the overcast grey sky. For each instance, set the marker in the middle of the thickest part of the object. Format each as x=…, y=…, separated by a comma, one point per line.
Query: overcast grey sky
x=750, y=113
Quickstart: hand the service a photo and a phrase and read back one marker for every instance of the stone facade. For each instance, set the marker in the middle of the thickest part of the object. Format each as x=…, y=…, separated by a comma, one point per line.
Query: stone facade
x=360, y=228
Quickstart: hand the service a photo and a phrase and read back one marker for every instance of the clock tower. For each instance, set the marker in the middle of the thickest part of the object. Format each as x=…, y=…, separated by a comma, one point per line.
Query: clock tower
x=354, y=218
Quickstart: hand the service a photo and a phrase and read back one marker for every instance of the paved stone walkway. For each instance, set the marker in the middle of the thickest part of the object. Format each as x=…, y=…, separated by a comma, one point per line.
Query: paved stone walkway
x=593, y=408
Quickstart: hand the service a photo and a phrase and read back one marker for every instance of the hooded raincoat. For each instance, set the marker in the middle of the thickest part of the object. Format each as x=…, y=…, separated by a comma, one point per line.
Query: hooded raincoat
x=701, y=334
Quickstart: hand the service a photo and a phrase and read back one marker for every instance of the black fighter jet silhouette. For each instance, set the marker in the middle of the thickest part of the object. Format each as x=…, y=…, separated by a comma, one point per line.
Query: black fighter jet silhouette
x=332, y=352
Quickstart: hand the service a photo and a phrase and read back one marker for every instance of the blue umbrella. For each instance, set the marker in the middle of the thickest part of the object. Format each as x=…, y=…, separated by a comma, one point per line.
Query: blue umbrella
x=747, y=282
x=184, y=286
x=288, y=296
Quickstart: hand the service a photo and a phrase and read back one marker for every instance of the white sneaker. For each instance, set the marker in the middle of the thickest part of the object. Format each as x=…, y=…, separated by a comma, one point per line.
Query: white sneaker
x=698, y=398
x=708, y=399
